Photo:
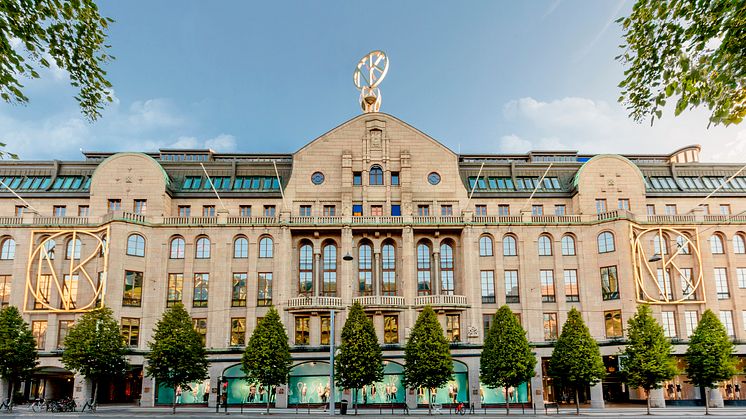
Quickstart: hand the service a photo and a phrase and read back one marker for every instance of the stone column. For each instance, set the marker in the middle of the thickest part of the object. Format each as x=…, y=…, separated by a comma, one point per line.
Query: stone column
x=317, y=274
x=215, y=371
x=147, y=395
x=597, y=396
x=474, y=388
x=81, y=389
x=537, y=386
x=716, y=398
x=281, y=396
x=411, y=398
x=435, y=282
x=657, y=399
x=4, y=389
x=377, y=276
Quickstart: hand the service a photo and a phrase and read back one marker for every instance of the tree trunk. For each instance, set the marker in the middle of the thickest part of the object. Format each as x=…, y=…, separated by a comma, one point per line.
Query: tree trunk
x=268, y=397
x=356, y=401
x=707, y=400
x=10, y=397
x=647, y=394
x=577, y=402
x=95, y=391
x=507, y=401
x=173, y=405
x=429, y=401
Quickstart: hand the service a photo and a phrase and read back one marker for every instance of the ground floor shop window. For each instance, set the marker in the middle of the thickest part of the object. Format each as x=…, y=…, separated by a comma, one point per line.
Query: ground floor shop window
x=193, y=393
x=240, y=391
x=454, y=391
x=489, y=396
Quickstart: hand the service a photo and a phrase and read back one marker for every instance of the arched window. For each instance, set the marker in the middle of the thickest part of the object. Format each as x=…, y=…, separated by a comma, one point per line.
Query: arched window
x=266, y=247
x=8, y=251
x=605, y=242
x=49, y=247
x=509, y=246
x=738, y=244
x=545, y=245
x=240, y=248
x=446, y=269
x=568, y=245
x=203, y=248
x=388, y=255
x=102, y=249
x=177, y=248
x=376, y=175
x=365, y=269
x=682, y=245
x=305, y=267
x=659, y=245
x=73, y=249
x=485, y=246
x=716, y=244
x=135, y=245
x=329, y=270
x=423, y=269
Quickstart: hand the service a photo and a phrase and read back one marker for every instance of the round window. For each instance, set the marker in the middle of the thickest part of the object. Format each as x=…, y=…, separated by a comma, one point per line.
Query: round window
x=433, y=178
x=317, y=178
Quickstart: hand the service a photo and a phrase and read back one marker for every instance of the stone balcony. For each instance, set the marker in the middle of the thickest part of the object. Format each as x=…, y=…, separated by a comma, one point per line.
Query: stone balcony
x=314, y=302
x=381, y=302
x=441, y=301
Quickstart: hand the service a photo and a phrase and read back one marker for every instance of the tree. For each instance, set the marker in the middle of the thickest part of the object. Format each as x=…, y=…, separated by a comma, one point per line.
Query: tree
x=506, y=360
x=266, y=359
x=692, y=50
x=70, y=34
x=94, y=348
x=18, y=355
x=647, y=358
x=12, y=156
x=177, y=355
x=576, y=361
x=427, y=356
x=709, y=355
x=360, y=359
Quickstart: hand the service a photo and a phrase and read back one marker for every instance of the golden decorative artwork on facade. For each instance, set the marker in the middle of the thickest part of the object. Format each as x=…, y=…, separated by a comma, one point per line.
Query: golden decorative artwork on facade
x=672, y=273
x=45, y=273
x=369, y=73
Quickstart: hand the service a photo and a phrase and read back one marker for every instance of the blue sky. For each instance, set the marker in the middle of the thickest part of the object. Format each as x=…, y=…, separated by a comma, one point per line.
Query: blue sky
x=479, y=76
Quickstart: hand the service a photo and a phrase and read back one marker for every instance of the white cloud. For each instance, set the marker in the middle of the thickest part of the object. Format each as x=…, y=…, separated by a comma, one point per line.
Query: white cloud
x=222, y=142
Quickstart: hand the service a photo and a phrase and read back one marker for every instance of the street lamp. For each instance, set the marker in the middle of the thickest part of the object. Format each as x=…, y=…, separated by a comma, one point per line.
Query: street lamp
x=655, y=258
x=332, y=395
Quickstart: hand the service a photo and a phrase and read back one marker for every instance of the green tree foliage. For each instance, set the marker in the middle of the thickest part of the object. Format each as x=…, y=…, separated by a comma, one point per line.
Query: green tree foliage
x=691, y=50
x=177, y=355
x=576, y=361
x=70, y=34
x=10, y=155
x=267, y=359
x=18, y=356
x=427, y=355
x=710, y=354
x=360, y=359
x=94, y=347
x=647, y=360
x=506, y=360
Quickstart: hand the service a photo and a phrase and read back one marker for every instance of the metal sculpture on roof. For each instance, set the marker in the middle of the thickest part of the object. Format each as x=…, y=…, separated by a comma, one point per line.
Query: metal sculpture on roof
x=369, y=73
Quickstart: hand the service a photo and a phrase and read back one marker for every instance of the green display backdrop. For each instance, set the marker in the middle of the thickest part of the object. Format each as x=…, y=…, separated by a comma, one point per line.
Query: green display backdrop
x=197, y=393
x=497, y=395
x=240, y=391
x=455, y=390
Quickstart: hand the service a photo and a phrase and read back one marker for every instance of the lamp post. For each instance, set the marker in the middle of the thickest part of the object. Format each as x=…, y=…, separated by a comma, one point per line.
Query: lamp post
x=332, y=335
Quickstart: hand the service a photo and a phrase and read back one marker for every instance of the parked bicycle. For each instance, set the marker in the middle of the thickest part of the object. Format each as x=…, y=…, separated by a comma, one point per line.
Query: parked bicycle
x=91, y=405
x=460, y=409
x=39, y=405
x=7, y=405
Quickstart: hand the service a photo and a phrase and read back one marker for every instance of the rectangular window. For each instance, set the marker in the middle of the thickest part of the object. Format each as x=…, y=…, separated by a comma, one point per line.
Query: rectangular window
x=705, y=208
x=687, y=287
x=238, y=331
x=269, y=211
x=302, y=336
x=305, y=211
x=59, y=210
x=721, y=283
x=453, y=327
x=487, y=320
x=208, y=210
x=550, y=326
x=726, y=318
x=185, y=211
x=140, y=206
x=724, y=209
x=609, y=283
x=668, y=321
x=5, y=281
x=670, y=209
x=200, y=326
x=394, y=178
x=324, y=332
x=613, y=322
x=560, y=209
x=330, y=210
x=600, y=206
x=547, y=286
x=19, y=210
x=741, y=275
x=651, y=209
x=84, y=211
x=357, y=210
x=390, y=329
x=264, y=295
x=115, y=205
x=512, y=295
x=244, y=210
x=39, y=330
x=376, y=210
x=130, y=331
x=571, y=286
x=503, y=210
x=132, y=289
x=175, y=288
x=692, y=319
x=62, y=329
x=623, y=204
x=69, y=296
x=357, y=178
x=201, y=282
x=396, y=210
x=238, y=298
x=537, y=209
x=423, y=210
x=480, y=210
x=44, y=285
x=446, y=210
x=488, y=287
x=664, y=283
